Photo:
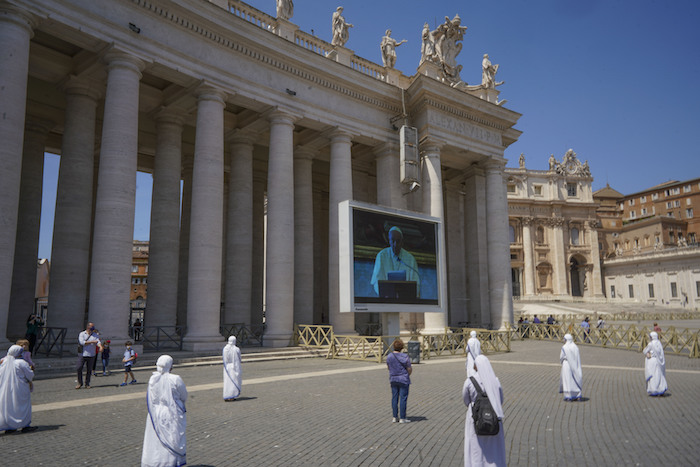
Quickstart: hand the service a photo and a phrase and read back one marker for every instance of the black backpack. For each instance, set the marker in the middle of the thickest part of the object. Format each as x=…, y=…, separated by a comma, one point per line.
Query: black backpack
x=485, y=418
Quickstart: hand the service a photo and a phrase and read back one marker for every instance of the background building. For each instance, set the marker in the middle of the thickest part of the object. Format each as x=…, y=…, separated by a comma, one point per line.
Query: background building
x=553, y=231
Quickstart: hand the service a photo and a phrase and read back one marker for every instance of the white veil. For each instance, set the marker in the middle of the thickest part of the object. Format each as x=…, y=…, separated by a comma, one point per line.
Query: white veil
x=165, y=412
x=8, y=395
x=489, y=383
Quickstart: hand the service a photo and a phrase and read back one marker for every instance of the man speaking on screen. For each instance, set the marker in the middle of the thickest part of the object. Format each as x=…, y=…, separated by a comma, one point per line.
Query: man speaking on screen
x=395, y=259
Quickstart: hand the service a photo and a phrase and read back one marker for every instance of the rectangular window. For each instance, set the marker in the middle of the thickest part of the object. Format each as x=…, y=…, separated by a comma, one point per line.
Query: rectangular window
x=674, y=290
x=677, y=203
x=676, y=191
x=654, y=196
x=538, y=190
x=688, y=202
x=631, y=202
x=633, y=214
x=135, y=267
x=669, y=204
x=669, y=213
x=643, y=199
x=667, y=193
x=687, y=189
x=570, y=189
x=612, y=291
x=511, y=188
x=622, y=206
x=651, y=290
x=644, y=211
x=689, y=213
x=631, y=287
x=697, y=288
x=653, y=209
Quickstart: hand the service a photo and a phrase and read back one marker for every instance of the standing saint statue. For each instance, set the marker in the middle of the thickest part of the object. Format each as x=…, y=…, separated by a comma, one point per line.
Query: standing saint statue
x=285, y=9
x=340, y=28
x=427, y=49
x=488, y=73
x=388, y=47
x=446, y=40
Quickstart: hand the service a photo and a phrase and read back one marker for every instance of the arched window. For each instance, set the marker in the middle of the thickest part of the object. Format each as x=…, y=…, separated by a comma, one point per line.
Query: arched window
x=512, y=233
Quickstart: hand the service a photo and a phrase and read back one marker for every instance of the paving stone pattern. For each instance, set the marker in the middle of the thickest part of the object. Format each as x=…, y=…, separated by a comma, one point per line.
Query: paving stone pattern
x=344, y=419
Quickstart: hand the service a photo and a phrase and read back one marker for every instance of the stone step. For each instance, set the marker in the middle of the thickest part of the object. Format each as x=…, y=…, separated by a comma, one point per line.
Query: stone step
x=54, y=367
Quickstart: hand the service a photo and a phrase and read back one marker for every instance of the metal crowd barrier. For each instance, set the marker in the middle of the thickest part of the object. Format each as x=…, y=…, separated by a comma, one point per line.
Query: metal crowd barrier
x=616, y=336
x=50, y=341
x=247, y=335
x=161, y=337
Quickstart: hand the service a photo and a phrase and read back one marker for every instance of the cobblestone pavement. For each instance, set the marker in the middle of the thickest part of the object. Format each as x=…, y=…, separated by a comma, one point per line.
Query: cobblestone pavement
x=317, y=412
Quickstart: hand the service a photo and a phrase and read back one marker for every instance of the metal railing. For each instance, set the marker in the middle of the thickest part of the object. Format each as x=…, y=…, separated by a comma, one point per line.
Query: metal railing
x=161, y=337
x=247, y=335
x=616, y=336
x=50, y=341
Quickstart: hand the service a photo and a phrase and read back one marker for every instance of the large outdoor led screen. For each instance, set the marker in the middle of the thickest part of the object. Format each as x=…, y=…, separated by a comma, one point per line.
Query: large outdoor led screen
x=390, y=260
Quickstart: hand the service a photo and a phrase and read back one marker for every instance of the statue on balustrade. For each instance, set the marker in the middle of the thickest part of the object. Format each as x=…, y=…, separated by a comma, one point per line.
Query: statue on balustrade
x=488, y=73
x=388, y=47
x=341, y=28
x=285, y=9
x=442, y=46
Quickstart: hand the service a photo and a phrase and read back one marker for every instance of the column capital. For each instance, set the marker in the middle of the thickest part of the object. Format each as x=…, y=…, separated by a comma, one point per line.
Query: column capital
x=430, y=147
x=528, y=220
x=12, y=14
x=74, y=85
x=282, y=117
x=340, y=135
x=116, y=58
x=207, y=92
x=240, y=137
x=492, y=165
x=170, y=115
x=303, y=153
x=387, y=149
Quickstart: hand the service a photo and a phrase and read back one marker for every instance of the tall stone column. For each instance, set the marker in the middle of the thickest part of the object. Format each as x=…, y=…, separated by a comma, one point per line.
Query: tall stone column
x=529, y=272
x=15, y=33
x=258, y=250
x=72, y=228
x=184, y=252
x=340, y=189
x=559, y=263
x=476, y=255
x=433, y=205
x=239, y=238
x=27, y=241
x=500, y=288
x=279, y=290
x=389, y=191
x=303, y=237
x=113, y=231
x=206, y=223
x=596, y=282
x=164, y=244
x=456, y=266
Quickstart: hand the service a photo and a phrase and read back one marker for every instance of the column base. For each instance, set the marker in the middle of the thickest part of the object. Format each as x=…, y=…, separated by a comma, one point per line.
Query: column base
x=203, y=343
x=278, y=340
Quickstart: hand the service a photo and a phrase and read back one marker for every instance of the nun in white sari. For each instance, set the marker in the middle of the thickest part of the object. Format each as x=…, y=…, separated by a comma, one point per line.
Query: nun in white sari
x=164, y=440
x=570, y=383
x=232, y=370
x=483, y=450
x=655, y=366
x=15, y=394
x=473, y=351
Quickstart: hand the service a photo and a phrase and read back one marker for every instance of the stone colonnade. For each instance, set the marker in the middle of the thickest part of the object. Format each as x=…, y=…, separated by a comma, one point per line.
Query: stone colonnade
x=211, y=241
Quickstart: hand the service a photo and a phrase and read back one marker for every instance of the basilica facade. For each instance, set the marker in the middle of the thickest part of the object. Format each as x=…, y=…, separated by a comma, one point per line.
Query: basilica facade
x=553, y=228
x=254, y=131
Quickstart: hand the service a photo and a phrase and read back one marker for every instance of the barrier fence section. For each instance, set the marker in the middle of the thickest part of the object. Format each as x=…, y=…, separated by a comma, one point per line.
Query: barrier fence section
x=453, y=342
x=616, y=336
x=50, y=341
x=161, y=337
x=247, y=335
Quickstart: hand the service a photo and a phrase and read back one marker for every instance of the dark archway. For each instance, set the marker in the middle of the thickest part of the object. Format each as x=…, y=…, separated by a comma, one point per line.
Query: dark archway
x=575, y=279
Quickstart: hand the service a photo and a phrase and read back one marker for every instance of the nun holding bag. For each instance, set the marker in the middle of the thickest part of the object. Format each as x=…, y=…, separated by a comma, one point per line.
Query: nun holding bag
x=164, y=442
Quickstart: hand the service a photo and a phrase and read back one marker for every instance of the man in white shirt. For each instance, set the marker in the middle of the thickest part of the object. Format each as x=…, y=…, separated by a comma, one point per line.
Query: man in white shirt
x=89, y=341
x=395, y=259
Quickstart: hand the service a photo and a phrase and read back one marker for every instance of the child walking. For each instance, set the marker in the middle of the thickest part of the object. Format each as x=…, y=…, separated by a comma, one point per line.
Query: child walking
x=129, y=358
x=105, y=357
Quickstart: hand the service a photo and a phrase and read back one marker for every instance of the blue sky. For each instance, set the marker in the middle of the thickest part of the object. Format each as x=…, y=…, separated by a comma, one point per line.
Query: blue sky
x=615, y=80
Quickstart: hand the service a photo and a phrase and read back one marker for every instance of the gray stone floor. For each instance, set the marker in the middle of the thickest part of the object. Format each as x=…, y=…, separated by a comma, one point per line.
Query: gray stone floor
x=317, y=412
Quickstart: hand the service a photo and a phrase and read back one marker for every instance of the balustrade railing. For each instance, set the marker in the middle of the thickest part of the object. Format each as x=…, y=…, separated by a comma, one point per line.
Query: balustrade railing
x=252, y=15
